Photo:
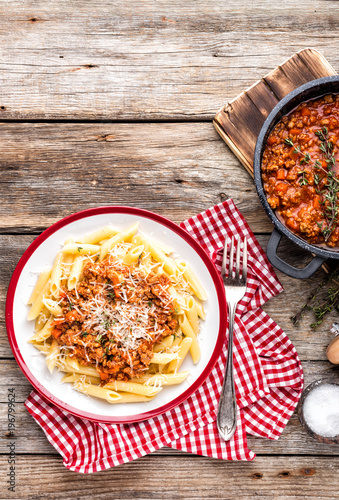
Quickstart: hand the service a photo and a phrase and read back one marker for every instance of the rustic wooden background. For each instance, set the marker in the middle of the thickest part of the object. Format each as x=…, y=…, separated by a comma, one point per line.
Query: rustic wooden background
x=112, y=103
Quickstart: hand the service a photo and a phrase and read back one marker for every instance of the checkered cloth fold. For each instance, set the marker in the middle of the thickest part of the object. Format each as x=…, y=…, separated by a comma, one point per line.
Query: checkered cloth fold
x=268, y=378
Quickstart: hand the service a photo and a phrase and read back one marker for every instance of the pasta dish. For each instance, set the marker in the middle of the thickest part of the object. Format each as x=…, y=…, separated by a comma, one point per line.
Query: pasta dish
x=118, y=315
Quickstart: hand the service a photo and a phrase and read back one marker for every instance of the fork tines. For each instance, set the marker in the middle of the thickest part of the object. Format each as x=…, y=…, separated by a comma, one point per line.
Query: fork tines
x=239, y=251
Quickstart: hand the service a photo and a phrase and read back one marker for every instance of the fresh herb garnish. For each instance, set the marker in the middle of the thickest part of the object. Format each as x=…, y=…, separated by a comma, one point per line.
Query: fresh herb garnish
x=303, y=180
x=330, y=186
x=328, y=303
x=289, y=142
x=330, y=193
x=306, y=158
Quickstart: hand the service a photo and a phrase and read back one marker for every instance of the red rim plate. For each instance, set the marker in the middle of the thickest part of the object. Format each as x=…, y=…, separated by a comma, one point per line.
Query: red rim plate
x=138, y=213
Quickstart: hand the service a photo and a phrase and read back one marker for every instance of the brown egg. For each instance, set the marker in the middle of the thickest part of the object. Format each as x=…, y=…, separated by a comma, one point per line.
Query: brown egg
x=332, y=351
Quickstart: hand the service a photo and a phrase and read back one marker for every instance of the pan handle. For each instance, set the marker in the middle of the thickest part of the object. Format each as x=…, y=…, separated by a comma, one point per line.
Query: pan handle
x=277, y=262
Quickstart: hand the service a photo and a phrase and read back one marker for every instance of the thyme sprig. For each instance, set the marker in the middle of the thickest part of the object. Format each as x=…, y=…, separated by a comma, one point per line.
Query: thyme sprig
x=305, y=159
x=329, y=193
x=329, y=303
x=303, y=179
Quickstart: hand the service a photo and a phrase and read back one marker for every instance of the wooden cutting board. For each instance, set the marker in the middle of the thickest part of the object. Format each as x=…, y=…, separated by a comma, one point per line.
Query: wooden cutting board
x=240, y=120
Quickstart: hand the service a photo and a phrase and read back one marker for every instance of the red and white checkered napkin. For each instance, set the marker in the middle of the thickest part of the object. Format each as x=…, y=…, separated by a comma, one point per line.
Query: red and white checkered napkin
x=268, y=378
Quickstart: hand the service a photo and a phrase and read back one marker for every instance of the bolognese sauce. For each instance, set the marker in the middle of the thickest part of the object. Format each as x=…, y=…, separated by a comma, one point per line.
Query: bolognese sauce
x=300, y=170
x=113, y=318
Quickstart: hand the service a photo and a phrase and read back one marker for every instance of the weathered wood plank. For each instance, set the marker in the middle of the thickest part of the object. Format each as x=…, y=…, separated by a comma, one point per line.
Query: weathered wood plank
x=314, y=64
x=131, y=60
x=310, y=344
x=31, y=439
x=237, y=116
x=248, y=111
x=263, y=97
x=155, y=477
x=50, y=171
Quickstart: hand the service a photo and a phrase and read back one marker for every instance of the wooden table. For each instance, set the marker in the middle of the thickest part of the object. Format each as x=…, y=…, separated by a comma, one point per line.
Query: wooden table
x=112, y=103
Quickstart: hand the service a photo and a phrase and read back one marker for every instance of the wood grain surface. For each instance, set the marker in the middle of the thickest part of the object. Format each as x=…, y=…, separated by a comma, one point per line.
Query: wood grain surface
x=156, y=59
x=177, y=477
x=112, y=103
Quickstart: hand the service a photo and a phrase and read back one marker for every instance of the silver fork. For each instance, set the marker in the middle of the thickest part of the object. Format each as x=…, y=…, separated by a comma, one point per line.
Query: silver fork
x=235, y=288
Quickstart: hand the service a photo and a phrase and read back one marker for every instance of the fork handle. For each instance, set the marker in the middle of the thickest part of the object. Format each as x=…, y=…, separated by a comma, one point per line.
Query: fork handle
x=227, y=410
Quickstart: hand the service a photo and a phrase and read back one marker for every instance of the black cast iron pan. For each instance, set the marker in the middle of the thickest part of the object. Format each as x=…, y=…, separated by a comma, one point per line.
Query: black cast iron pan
x=310, y=90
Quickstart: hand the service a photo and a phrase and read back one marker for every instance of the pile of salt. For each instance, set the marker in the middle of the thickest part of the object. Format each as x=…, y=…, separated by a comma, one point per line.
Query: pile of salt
x=321, y=410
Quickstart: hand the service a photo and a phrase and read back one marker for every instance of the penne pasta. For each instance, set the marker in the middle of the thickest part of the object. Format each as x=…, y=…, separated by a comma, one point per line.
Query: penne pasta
x=117, y=315
x=81, y=249
x=97, y=392
x=160, y=246
x=56, y=274
x=138, y=240
x=117, y=238
x=99, y=235
x=41, y=319
x=178, y=300
x=76, y=270
x=38, y=304
x=42, y=280
x=177, y=340
x=162, y=358
x=182, y=352
x=161, y=379
x=134, y=254
x=75, y=377
x=72, y=365
x=192, y=279
x=192, y=314
x=134, y=388
x=167, y=263
x=125, y=396
x=133, y=398
x=166, y=343
x=188, y=331
x=200, y=310
x=52, y=306
x=52, y=356
x=159, y=255
x=116, y=385
x=44, y=333
x=44, y=348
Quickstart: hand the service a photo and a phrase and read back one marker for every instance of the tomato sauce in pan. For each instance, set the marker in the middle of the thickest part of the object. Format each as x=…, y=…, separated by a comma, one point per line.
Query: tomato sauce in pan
x=300, y=170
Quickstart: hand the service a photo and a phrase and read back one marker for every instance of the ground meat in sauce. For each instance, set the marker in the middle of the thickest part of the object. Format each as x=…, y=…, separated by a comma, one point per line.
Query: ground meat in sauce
x=296, y=188
x=114, y=317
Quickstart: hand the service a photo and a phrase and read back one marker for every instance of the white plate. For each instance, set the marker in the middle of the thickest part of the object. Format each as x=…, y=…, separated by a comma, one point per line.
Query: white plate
x=41, y=254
